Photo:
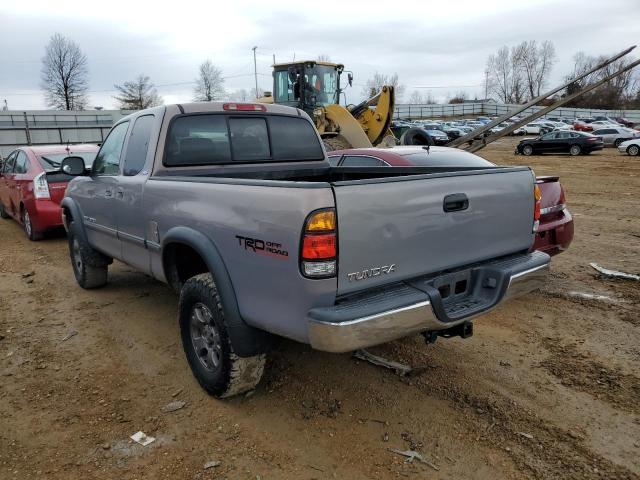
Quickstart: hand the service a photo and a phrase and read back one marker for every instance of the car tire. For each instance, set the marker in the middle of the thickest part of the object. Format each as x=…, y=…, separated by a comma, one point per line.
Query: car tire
x=575, y=150
x=416, y=136
x=617, y=142
x=3, y=212
x=633, y=150
x=90, y=267
x=527, y=150
x=27, y=224
x=206, y=342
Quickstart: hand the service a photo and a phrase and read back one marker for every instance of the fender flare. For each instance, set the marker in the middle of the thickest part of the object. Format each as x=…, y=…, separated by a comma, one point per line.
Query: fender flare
x=246, y=341
x=73, y=207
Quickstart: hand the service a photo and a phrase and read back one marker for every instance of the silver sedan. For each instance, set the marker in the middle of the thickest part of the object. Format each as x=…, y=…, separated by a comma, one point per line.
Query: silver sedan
x=614, y=136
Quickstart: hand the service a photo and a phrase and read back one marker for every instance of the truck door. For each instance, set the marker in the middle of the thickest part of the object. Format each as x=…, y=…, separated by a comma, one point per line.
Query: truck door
x=6, y=179
x=98, y=204
x=131, y=222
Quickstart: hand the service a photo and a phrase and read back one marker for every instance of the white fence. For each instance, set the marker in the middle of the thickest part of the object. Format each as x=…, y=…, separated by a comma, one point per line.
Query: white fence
x=416, y=111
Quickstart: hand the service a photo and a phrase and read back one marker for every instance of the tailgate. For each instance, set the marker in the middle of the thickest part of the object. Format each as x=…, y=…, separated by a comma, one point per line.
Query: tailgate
x=397, y=228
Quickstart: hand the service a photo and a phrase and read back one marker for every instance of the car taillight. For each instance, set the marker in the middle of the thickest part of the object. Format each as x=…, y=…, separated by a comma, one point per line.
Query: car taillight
x=245, y=107
x=593, y=139
x=537, y=195
x=41, y=186
x=319, y=246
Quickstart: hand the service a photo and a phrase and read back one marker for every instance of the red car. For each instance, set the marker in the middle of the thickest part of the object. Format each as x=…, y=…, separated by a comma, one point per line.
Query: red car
x=582, y=126
x=32, y=185
x=555, y=231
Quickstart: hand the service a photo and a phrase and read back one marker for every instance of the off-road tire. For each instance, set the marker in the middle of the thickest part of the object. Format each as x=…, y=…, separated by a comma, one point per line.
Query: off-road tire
x=335, y=143
x=416, y=136
x=527, y=150
x=90, y=267
x=575, y=150
x=27, y=224
x=233, y=374
x=3, y=212
x=633, y=150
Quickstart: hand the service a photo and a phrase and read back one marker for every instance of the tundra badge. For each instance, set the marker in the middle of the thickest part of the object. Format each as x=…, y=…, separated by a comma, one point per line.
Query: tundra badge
x=371, y=272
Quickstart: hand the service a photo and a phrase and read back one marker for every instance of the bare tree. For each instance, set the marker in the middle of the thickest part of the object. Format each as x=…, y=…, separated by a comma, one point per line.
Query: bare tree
x=138, y=94
x=64, y=74
x=459, y=97
x=416, y=97
x=256, y=94
x=519, y=73
x=323, y=57
x=375, y=84
x=620, y=92
x=209, y=84
x=240, y=95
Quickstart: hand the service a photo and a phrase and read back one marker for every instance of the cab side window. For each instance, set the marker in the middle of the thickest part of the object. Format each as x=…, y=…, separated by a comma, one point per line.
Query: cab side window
x=22, y=163
x=107, y=161
x=358, y=161
x=138, y=145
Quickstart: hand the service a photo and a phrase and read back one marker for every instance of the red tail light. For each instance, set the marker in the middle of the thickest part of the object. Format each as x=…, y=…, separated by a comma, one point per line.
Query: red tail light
x=244, y=107
x=537, y=195
x=319, y=246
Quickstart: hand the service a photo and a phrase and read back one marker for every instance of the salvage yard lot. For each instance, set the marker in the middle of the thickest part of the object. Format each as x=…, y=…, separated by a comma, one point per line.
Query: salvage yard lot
x=548, y=386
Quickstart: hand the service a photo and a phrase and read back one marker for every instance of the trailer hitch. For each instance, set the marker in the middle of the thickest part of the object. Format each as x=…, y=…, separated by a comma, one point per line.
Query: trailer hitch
x=463, y=330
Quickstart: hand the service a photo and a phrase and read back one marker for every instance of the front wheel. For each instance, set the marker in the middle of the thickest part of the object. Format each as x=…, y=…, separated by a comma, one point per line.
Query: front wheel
x=206, y=342
x=527, y=150
x=633, y=150
x=575, y=150
x=90, y=267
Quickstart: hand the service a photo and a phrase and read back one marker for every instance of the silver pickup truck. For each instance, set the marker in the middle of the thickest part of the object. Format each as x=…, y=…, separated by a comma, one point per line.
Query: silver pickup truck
x=237, y=208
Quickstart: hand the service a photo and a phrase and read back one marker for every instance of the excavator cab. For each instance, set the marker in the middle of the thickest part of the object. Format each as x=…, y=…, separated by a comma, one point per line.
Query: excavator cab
x=307, y=85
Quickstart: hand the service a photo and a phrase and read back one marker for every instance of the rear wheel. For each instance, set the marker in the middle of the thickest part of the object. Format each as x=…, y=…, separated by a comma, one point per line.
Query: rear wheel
x=28, y=226
x=633, y=150
x=335, y=143
x=617, y=142
x=206, y=342
x=527, y=150
x=575, y=150
x=90, y=267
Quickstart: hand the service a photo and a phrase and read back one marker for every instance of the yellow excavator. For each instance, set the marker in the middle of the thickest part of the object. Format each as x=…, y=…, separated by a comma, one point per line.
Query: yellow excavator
x=314, y=87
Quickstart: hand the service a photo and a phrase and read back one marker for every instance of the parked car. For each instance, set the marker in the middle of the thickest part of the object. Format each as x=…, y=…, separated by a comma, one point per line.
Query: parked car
x=626, y=122
x=483, y=120
x=536, y=128
x=438, y=136
x=615, y=136
x=572, y=142
x=630, y=147
x=596, y=124
x=582, y=126
x=603, y=118
x=555, y=230
x=32, y=185
x=237, y=207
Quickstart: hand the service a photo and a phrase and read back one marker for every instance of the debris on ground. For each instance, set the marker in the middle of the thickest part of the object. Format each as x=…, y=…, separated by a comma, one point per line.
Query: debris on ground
x=177, y=392
x=72, y=333
x=173, y=406
x=526, y=435
x=142, y=438
x=211, y=464
x=614, y=273
x=399, y=368
x=592, y=296
x=28, y=274
x=412, y=455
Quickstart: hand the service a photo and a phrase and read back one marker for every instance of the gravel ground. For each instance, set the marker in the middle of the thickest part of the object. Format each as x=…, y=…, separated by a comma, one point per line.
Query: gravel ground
x=547, y=388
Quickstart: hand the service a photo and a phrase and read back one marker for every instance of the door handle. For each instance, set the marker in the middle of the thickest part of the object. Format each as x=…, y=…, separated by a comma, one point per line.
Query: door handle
x=119, y=193
x=455, y=202
x=108, y=192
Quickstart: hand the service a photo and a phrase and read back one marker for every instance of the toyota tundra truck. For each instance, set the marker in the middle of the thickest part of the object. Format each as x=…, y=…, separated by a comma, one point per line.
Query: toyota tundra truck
x=237, y=208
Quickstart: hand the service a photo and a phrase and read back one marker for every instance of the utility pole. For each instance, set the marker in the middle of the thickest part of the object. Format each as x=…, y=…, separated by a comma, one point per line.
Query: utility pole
x=255, y=69
x=486, y=83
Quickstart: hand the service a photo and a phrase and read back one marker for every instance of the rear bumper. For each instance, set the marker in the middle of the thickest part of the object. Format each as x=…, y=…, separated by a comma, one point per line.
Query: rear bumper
x=554, y=236
x=45, y=214
x=409, y=308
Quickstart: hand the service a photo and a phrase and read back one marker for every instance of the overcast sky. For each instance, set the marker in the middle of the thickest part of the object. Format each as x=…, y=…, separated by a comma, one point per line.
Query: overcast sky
x=441, y=47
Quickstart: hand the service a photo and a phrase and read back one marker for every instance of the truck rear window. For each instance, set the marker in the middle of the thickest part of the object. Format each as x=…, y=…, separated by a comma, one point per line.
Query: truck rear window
x=213, y=139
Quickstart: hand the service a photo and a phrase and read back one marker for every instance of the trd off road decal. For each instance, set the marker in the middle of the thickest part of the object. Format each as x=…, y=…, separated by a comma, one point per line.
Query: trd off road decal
x=262, y=247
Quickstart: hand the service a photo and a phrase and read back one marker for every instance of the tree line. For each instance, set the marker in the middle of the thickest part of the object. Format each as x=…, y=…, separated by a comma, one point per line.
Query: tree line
x=513, y=74
x=65, y=81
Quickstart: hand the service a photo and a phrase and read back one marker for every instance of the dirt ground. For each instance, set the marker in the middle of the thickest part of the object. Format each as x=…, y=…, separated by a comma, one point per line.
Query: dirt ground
x=547, y=388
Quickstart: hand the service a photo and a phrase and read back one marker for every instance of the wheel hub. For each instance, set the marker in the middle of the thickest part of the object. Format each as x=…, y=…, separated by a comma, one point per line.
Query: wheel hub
x=77, y=257
x=205, y=337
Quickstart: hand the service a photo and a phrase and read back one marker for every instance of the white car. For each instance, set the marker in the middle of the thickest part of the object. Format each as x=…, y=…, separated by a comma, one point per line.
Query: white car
x=630, y=147
x=532, y=128
x=604, y=124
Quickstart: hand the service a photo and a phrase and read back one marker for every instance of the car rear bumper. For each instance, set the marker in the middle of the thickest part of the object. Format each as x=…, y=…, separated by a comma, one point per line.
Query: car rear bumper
x=554, y=236
x=416, y=306
x=45, y=214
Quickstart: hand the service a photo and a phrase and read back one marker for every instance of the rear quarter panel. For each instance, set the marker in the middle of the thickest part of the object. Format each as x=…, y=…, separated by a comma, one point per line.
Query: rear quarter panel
x=272, y=294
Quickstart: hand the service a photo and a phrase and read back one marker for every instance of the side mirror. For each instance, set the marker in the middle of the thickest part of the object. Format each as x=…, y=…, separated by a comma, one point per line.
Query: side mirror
x=350, y=79
x=73, y=166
